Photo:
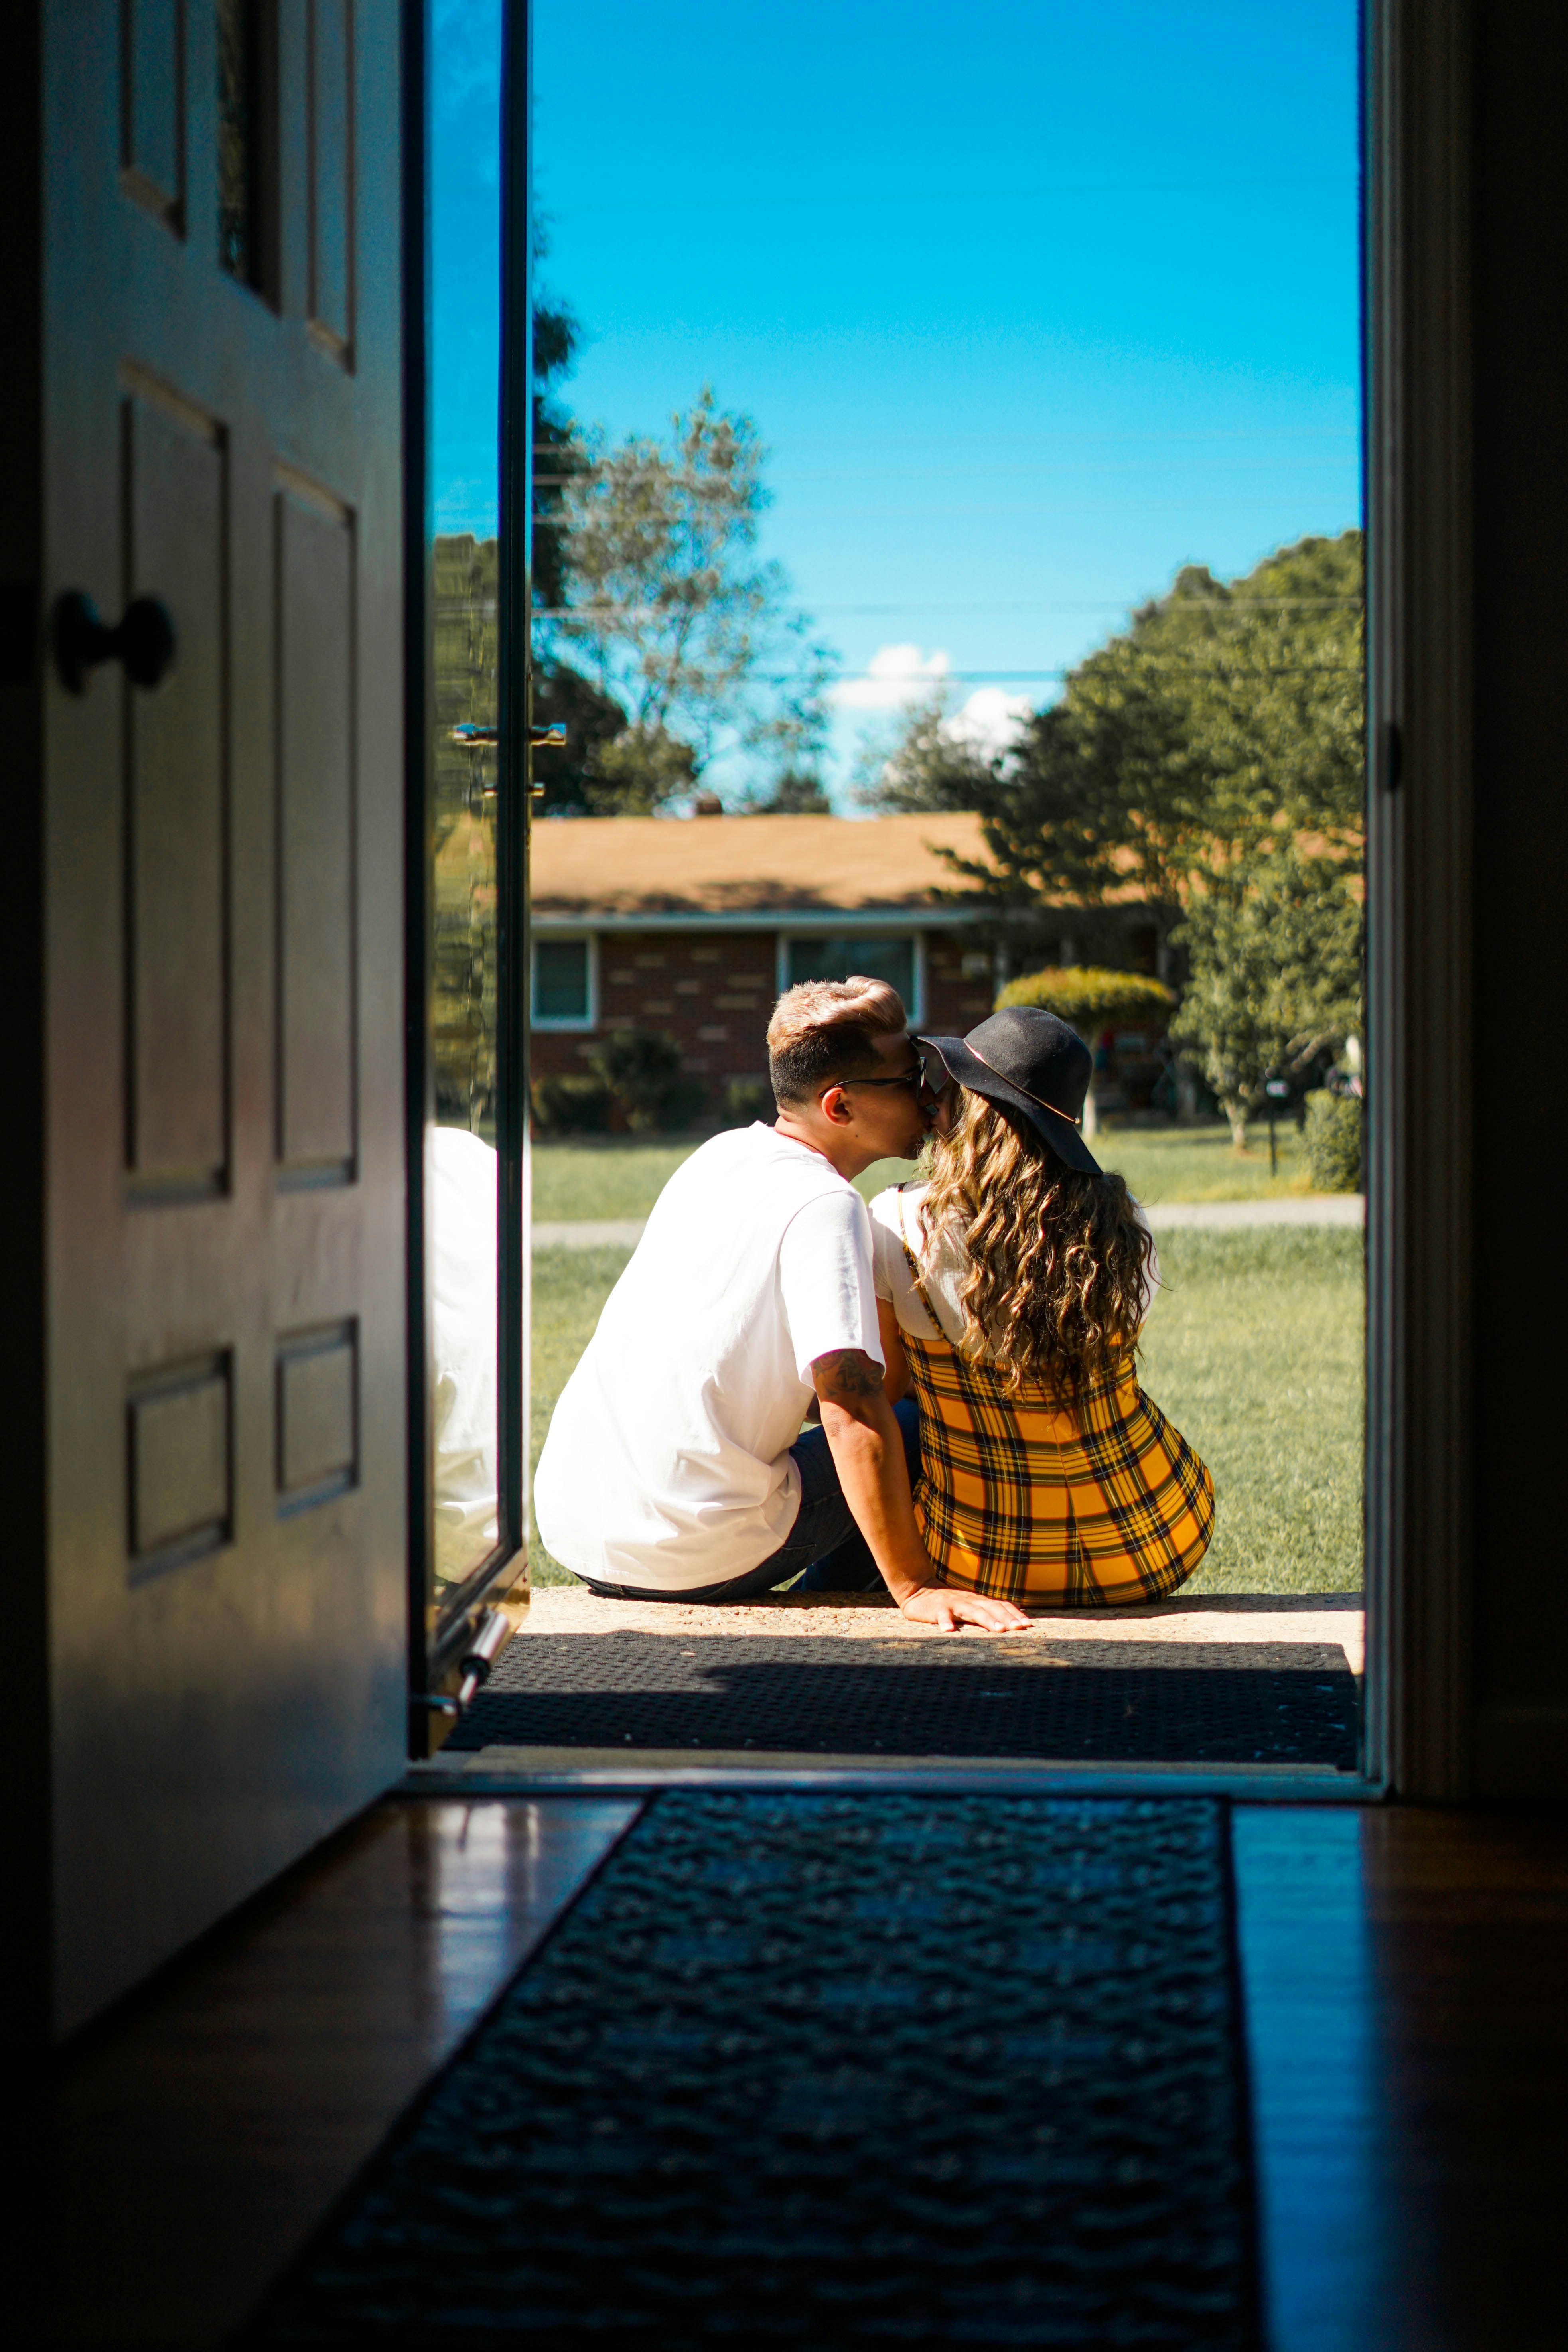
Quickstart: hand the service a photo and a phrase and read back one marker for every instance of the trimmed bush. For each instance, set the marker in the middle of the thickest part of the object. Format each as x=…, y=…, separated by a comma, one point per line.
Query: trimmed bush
x=1332, y=1139
x=641, y=1069
x=570, y=1106
x=1088, y=995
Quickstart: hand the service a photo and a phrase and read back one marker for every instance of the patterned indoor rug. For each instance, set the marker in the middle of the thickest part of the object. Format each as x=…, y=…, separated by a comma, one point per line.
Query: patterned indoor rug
x=1111, y=1701
x=812, y=2071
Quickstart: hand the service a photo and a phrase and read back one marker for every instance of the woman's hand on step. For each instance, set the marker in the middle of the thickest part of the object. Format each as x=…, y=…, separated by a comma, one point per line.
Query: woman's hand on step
x=940, y=1605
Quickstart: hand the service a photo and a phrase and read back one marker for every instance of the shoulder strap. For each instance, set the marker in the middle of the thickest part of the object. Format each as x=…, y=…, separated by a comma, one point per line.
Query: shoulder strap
x=905, y=1208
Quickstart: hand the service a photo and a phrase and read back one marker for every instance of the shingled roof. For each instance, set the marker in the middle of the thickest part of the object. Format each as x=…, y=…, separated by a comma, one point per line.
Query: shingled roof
x=709, y=865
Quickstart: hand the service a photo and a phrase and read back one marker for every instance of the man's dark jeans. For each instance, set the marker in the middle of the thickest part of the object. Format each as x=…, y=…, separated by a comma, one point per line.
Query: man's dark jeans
x=824, y=1540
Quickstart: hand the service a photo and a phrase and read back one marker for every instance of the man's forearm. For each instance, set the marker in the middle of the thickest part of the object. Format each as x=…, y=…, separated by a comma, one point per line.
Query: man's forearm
x=868, y=1449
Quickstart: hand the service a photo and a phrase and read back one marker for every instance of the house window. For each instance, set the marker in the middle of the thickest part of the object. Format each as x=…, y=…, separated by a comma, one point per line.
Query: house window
x=884, y=956
x=563, y=983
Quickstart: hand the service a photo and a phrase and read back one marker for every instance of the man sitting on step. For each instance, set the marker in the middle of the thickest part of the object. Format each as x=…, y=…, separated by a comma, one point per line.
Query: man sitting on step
x=675, y=1468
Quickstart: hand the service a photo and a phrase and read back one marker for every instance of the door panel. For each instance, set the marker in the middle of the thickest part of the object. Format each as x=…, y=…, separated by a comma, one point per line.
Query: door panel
x=315, y=839
x=176, y=811
x=181, y=1465
x=152, y=110
x=225, y=1124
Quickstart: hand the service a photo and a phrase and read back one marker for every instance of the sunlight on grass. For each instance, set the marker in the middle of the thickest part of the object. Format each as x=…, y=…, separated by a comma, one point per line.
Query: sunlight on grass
x=1254, y=1349
x=569, y=1289
x=604, y=1176
x=1185, y=1163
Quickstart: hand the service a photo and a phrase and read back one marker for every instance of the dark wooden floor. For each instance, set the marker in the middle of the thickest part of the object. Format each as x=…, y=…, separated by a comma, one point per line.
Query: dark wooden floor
x=1405, y=1976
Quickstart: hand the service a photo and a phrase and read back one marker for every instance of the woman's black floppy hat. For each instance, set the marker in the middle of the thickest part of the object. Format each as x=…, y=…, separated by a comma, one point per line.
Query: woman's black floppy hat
x=1030, y=1062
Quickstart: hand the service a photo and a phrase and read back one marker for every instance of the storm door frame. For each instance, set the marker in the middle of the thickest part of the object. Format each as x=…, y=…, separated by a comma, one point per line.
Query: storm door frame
x=439, y=1638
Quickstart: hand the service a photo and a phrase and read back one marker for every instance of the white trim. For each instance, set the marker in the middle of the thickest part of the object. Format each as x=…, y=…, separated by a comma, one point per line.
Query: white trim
x=546, y=1026
x=784, y=920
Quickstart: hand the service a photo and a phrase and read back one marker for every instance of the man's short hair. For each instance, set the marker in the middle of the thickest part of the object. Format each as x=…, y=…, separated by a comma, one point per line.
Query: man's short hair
x=824, y=1030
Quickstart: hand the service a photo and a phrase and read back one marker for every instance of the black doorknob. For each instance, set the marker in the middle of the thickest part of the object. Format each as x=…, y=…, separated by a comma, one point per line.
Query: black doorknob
x=143, y=642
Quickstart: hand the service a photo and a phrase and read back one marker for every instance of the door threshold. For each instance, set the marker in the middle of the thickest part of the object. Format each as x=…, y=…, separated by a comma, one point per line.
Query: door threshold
x=540, y=1771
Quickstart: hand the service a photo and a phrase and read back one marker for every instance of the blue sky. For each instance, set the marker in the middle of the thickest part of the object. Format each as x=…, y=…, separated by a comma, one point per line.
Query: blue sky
x=1032, y=304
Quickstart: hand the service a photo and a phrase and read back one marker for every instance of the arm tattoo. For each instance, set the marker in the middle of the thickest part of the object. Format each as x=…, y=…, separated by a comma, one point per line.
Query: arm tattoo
x=847, y=1373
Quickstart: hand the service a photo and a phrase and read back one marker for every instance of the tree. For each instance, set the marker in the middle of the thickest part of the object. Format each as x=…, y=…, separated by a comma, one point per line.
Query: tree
x=1274, y=944
x=928, y=767
x=576, y=779
x=793, y=795
x=662, y=590
x=557, y=453
x=1227, y=714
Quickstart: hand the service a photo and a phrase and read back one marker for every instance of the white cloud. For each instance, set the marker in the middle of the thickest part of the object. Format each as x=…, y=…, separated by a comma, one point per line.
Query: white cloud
x=896, y=675
x=989, y=721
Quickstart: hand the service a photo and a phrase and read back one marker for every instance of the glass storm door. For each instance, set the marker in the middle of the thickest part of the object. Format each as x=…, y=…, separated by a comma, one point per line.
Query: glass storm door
x=473, y=1139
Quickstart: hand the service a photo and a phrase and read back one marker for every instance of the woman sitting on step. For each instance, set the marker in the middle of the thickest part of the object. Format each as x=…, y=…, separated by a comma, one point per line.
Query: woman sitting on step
x=1011, y=1288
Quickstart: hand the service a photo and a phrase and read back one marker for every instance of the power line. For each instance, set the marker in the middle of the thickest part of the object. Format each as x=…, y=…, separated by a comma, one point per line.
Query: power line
x=967, y=445
x=588, y=612
x=1044, y=192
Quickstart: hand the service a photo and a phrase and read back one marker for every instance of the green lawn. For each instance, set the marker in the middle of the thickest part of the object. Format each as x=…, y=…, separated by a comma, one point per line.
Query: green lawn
x=596, y=1177
x=621, y=1176
x=1185, y=1163
x=1254, y=1350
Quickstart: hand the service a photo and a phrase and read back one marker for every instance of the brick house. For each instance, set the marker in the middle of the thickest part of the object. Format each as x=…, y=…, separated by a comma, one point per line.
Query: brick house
x=692, y=927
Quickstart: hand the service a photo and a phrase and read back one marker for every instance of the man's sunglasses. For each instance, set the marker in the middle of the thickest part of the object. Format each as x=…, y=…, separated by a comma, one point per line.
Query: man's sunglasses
x=930, y=1075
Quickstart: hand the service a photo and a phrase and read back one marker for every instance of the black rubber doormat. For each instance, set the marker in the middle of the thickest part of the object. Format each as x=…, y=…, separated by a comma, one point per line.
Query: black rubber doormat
x=1112, y=1701
x=815, y=2071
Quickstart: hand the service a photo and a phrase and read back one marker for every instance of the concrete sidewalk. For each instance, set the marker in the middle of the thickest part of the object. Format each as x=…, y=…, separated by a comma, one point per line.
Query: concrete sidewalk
x=1223, y=1216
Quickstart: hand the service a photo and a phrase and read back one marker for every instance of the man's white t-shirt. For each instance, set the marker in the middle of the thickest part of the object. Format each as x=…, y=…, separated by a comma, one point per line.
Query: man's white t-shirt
x=667, y=1465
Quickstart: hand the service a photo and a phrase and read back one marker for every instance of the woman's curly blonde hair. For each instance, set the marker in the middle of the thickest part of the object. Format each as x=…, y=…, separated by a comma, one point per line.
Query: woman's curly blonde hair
x=1059, y=1262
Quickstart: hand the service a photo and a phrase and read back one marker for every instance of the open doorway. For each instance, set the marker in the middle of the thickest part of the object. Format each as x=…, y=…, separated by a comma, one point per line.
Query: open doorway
x=1043, y=470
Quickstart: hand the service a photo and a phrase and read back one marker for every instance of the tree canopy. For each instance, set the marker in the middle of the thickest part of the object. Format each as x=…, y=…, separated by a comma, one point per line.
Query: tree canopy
x=1228, y=715
x=927, y=766
x=683, y=626
x=1275, y=951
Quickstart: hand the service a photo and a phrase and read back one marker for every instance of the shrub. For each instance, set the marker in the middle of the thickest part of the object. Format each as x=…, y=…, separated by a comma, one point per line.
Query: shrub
x=641, y=1070
x=1086, y=996
x=746, y=1100
x=570, y=1106
x=1332, y=1141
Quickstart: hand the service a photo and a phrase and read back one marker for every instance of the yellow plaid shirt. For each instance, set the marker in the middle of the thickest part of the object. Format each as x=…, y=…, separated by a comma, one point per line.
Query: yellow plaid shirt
x=1077, y=1501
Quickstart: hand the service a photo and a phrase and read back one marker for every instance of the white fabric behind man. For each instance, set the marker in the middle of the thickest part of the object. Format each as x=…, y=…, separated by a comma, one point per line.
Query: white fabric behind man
x=668, y=1467
x=462, y=1199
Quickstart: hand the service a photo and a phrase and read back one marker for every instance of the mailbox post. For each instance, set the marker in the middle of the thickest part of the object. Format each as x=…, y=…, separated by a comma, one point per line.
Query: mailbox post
x=1276, y=1095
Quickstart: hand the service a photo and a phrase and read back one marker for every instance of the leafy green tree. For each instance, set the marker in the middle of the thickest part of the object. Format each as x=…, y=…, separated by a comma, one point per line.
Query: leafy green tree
x=1274, y=948
x=927, y=766
x=793, y=795
x=557, y=453
x=576, y=781
x=683, y=626
x=1227, y=713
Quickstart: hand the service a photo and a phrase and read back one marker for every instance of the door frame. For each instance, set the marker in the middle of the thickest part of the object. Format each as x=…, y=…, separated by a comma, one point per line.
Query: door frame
x=438, y=1639
x=1419, y=1432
